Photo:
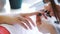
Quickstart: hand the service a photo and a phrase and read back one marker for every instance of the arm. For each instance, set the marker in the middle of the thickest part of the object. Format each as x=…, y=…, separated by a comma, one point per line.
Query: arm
x=6, y=20
x=15, y=20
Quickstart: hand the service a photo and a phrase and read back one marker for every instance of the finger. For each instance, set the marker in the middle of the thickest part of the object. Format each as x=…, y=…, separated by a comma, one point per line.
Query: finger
x=45, y=16
x=23, y=19
x=30, y=20
x=27, y=22
x=38, y=20
x=43, y=13
x=21, y=23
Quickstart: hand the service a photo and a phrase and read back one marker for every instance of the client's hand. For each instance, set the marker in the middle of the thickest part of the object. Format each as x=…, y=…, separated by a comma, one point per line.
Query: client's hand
x=23, y=21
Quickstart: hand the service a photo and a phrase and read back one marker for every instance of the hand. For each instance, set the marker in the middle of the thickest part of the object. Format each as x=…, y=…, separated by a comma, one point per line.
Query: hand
x=23, y=21
x=43, y=25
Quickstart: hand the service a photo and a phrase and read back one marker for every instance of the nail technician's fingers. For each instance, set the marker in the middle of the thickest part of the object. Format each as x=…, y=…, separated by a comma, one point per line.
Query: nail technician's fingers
x=44, y=16
x=38, y=22
x=38, y=19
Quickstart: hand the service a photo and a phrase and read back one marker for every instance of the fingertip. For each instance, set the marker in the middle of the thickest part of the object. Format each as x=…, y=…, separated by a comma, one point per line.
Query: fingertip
x=39, y=14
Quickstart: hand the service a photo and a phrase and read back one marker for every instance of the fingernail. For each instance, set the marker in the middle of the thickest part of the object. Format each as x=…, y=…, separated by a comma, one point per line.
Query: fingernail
x=45, y=11
x=39, y=14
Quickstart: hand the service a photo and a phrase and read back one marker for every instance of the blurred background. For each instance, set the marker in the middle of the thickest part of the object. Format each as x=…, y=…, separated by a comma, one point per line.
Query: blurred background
x=27, y=6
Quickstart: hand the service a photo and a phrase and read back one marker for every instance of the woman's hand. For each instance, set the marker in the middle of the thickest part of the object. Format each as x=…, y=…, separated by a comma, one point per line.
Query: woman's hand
x=23, y=21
